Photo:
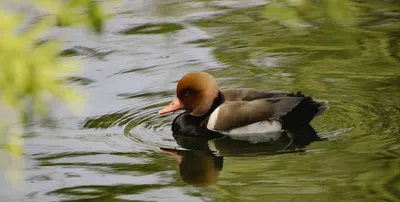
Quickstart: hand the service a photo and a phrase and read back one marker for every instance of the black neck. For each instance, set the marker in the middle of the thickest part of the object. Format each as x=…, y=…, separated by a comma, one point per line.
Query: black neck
x=216, y=103
x=186, y=119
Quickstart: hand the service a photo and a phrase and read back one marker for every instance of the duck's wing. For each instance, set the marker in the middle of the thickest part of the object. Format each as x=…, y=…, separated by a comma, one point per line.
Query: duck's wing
x=249, y=94
x=279, y=97
x=263, y=113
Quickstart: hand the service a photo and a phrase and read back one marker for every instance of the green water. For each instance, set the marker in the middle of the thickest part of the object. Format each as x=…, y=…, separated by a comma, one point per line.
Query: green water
x=345, y=52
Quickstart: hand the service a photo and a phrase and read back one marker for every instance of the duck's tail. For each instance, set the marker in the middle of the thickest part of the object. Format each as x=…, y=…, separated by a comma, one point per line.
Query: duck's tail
x=304, y=112
x=322, y=108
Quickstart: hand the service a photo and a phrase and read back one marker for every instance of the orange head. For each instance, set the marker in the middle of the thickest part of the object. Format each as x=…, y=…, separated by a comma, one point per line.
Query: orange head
x=195, y=92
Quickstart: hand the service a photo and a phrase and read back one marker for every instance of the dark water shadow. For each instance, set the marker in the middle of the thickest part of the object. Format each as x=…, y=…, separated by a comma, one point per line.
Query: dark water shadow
x=84, y=81
x=133, y=161
x=201, y=158
x=103, y=193
x=153, y=29
x=85, y=51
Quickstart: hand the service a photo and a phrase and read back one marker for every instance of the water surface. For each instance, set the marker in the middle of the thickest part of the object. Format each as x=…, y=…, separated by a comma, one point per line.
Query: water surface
x=345, y=52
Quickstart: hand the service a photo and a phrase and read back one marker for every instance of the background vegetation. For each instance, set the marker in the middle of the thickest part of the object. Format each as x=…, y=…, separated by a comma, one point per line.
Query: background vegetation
x=31, y=72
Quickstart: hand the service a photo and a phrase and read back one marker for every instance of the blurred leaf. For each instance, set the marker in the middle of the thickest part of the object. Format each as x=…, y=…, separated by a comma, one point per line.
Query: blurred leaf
x=95, y=15
x=30, y=72
x=14, y=145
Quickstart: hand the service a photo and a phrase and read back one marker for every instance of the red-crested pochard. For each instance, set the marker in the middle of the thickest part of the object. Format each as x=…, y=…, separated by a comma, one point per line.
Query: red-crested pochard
x=238, y=111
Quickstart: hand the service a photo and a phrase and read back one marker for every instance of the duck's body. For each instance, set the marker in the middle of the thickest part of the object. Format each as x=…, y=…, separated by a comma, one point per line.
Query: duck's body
x=238, y=111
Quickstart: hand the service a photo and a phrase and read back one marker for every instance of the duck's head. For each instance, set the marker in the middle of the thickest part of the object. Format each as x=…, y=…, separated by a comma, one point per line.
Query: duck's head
x=195, y=92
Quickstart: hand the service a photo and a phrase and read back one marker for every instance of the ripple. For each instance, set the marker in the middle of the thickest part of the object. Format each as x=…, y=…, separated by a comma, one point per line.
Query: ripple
x=85, y=51
x=80, y=80
x=142, y=125
x=135, y=164
x=102, y=193
x=139, y=70
x=162, y=194
x=146, y=95
x=161, y=28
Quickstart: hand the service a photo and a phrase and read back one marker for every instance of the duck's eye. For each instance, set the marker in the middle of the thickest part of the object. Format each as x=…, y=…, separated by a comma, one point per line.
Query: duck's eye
x=187, y=93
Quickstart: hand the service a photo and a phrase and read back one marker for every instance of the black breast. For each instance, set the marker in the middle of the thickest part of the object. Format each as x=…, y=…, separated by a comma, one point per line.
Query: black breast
x=189, y=125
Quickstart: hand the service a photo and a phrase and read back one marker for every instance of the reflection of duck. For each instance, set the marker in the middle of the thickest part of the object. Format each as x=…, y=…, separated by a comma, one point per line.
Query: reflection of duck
x=202, y=162
x=237, y=112
x=198, y=168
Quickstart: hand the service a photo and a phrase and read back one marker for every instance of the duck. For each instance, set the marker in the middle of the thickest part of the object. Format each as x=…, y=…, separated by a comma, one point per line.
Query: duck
x=238, y=111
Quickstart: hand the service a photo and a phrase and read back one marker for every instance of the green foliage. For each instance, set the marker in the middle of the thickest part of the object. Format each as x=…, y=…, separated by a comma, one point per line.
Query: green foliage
x=31, y=73
x=73, y=12
x=29, y=70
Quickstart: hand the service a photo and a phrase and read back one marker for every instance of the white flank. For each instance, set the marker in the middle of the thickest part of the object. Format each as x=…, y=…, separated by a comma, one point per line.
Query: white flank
x=261, y=127
x=213, y=119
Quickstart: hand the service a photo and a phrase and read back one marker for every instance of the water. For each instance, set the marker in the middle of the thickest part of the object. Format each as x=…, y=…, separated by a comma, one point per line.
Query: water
x=344, y=52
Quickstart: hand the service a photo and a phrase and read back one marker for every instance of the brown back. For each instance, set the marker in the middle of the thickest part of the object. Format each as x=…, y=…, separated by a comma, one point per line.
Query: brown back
x=240, y=113
x=248, y=94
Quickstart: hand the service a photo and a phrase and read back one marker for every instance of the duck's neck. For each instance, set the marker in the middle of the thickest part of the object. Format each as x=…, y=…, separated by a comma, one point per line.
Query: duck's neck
x=216, y=103
x=186, y=119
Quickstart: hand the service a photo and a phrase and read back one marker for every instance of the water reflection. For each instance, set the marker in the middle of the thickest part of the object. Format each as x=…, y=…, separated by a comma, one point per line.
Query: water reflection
x=198, y=168
x=111, y=153
x=201, y=157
